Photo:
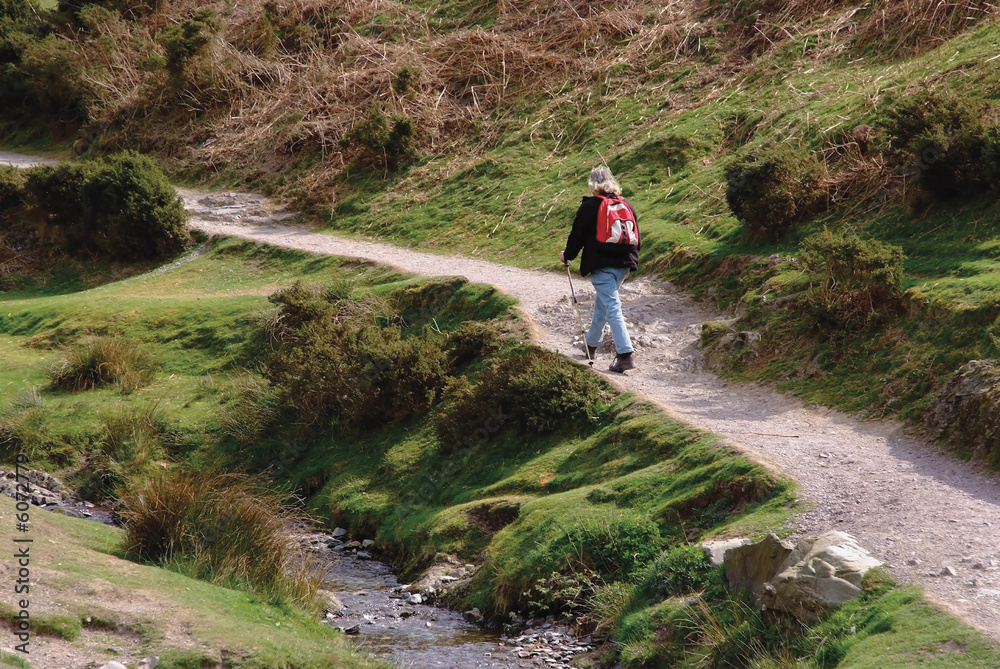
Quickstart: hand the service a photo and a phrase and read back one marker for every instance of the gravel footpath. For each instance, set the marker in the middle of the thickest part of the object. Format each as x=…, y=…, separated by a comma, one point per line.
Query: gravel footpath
x=929, y=516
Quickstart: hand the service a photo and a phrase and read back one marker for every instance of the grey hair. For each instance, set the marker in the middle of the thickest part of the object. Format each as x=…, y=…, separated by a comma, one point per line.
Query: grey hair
x=602, y=181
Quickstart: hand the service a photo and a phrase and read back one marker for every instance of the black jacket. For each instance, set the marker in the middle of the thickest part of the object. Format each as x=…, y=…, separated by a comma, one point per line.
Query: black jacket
x=595, y=254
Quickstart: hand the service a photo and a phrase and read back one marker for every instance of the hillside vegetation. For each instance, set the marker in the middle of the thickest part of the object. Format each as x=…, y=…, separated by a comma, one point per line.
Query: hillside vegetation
x=571, y=499
x=828, y=169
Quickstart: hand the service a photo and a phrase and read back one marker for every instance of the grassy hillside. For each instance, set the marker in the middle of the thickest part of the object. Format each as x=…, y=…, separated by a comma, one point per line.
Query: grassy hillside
x=80, y=584
x=592, y=521
x=453, y=125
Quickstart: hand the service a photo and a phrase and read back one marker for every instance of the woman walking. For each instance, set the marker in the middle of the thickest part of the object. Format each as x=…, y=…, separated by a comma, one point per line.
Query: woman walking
x=606, y=230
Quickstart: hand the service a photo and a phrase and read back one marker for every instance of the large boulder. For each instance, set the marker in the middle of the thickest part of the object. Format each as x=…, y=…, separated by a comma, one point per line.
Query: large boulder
x=804, y=579
x=821, y=574
x=751, y=566
x=965, y=413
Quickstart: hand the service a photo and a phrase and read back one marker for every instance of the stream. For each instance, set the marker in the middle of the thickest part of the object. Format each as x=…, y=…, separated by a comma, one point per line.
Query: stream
x=419, y=636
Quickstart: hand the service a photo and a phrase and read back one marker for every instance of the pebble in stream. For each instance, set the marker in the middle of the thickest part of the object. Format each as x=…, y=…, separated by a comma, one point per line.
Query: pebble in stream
x=385, y=620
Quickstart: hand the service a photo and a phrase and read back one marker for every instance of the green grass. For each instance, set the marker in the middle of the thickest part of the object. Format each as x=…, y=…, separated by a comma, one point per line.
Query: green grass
x=84, y=577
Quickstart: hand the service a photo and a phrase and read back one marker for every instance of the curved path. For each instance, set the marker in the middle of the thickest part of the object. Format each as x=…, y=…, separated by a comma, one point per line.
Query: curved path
x=916, y=508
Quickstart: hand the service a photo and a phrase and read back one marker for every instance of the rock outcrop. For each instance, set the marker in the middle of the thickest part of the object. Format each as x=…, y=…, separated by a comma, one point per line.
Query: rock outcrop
x=966, y=412
x=804, y=579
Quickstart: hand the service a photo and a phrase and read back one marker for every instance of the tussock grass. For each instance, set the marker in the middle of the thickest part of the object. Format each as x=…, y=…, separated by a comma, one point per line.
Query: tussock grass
x=104, y=361
x=221, y=527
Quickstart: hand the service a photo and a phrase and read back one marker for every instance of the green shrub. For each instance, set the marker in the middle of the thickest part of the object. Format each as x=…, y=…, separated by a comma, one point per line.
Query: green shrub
x=853, y=278
x=564, y=595
x=185, y=42
x=941, y=134
x=770, y=189
x=539, y=390
x=54, y=75
x=123, y=206
x=681, y=570
x=336, y=360
x=252, y=411
x=102, y=361
x=221, y=527
x=475, y=339
x=12, y=192
x=381, y=144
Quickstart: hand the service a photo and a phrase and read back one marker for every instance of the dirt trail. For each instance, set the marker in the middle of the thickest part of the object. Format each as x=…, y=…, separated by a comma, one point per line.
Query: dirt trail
x=915, y=508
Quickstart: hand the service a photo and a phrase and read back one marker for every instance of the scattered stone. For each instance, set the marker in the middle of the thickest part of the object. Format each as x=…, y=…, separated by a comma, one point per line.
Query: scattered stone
x=114, y=665
x=330, y=602
x=415, y=599
x=339, y=532
x=448, y=579
x=913, y=562
x=367, y=543
x=352, y=630
x=352, y=544
x=148, y=662
x=473, y=616
x=362, y=555
x=948, y=571
x=406, y=612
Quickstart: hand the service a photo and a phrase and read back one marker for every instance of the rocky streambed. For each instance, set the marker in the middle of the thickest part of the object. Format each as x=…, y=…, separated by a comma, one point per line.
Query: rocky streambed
x=404, y=624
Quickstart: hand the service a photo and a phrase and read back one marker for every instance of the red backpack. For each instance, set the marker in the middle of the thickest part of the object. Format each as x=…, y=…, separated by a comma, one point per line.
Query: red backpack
x=616, y=222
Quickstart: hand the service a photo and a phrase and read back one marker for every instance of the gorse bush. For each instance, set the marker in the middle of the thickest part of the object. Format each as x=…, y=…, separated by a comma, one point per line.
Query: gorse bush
x=221, y=527
x=854, y=278
x=381, y=143
x=187, y=41
x=942, y=136
x=12, y=192
x=534, y=388
x=122, y=207
x=336, y=360
x=104, y=361
x=770, y=188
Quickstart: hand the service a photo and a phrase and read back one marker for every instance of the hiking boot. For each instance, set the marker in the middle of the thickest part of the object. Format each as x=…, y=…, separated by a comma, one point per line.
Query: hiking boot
x=591, y=351
x=622, y=362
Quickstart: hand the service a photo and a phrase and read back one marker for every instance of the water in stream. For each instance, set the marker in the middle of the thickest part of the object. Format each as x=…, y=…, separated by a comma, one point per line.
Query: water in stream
x=422, y=636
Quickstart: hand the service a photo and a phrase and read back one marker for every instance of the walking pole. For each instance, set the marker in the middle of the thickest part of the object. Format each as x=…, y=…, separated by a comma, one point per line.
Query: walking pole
x=579, y=319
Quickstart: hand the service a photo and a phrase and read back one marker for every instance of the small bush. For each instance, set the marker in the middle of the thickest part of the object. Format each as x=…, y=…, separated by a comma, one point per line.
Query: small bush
x=335, y=360
x=564, y=595
x=224, y=528
x=185, y=42
x=103, y=361
x=942, y=135
x=856, y=278
x=22, y=426
x=12, y=193
x=536, y=388
x=678, y=571
x=475, y=339
x=770, y=189
x=252, y=411
x=123, y=206
x=381, y=144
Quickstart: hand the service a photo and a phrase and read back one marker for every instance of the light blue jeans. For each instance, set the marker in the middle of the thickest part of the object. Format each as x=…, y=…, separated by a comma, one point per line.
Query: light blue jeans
x=608, y=308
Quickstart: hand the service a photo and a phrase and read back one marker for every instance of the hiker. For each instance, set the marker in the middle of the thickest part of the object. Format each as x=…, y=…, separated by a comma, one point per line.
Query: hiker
x=606, y=228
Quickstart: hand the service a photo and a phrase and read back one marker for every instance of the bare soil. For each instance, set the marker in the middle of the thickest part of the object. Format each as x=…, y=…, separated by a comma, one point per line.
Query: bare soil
x=918, y=509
